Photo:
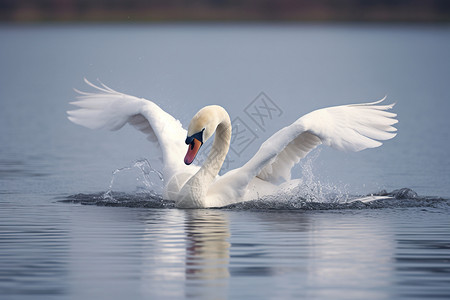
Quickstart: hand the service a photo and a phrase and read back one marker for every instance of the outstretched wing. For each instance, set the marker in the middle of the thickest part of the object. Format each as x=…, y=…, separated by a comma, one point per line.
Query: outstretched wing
x=349, y=128
x=108, y=109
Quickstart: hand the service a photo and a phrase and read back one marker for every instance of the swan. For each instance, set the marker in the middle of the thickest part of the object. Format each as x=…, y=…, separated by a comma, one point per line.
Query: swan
x=352, y=127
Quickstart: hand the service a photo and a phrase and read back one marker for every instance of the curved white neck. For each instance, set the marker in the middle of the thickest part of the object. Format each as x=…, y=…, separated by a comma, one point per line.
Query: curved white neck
x=213, y=163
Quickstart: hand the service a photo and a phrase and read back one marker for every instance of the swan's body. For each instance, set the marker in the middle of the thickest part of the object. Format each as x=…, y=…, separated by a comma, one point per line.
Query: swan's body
x=348, y=127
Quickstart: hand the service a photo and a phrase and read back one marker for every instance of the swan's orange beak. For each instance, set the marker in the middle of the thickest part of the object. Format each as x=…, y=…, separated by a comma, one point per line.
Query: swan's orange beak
x=194, y=146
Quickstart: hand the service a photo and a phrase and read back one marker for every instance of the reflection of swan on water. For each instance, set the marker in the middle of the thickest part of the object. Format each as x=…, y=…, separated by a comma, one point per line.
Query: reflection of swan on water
x=185, y=254
x=349, y=127
x=207, y=248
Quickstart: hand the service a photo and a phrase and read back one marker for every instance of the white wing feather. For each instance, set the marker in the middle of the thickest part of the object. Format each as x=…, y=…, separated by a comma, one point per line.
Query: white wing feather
x=111, y=110
x=348, y=128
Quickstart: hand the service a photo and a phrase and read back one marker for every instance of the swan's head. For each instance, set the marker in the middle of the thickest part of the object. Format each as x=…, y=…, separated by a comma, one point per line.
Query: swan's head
x=202, y=127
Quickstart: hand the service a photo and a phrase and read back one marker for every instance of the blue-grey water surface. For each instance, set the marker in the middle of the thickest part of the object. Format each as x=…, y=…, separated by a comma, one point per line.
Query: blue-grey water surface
x=133, y=245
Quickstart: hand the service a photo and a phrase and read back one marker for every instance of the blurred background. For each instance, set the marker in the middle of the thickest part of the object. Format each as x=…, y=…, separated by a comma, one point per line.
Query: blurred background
x=225, y=10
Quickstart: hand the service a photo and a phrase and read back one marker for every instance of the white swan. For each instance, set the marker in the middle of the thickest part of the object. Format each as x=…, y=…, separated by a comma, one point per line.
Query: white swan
x=349, y=127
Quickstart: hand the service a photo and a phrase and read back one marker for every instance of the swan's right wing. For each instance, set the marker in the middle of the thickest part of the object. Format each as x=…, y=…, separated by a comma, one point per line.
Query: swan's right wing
x=108, y=109
x=348, y=127
x=352, y=127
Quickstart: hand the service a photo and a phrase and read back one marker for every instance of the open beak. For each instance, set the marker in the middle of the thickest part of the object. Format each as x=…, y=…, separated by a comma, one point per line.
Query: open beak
x=194, y=146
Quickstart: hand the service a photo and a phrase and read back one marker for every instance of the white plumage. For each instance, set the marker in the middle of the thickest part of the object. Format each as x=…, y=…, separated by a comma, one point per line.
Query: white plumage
x=348, y=128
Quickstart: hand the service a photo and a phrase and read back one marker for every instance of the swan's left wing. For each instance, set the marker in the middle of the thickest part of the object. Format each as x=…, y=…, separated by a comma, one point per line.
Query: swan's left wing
x=108, y=109
x=348, y=127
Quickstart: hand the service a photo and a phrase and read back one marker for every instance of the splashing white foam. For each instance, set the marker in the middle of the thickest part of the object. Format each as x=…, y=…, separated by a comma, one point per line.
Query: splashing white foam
x=310, y=189
x=140, y=176
x=313, y=190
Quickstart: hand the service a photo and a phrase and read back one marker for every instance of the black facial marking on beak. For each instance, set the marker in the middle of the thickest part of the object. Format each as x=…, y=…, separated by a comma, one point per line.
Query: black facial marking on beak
x=194, y=141
x=198, y=136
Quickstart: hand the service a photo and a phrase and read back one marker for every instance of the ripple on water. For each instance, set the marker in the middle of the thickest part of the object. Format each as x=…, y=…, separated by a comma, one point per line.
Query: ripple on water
x=401, y=198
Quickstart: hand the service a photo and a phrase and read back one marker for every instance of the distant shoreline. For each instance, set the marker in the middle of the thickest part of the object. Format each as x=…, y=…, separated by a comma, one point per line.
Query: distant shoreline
x=314, y=13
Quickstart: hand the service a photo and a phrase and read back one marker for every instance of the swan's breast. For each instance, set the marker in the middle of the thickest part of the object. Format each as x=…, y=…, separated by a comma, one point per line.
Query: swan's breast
x=175, y=184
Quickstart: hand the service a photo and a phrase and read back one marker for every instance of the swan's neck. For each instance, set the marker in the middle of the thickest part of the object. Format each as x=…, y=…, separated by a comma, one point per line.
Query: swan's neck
x=213, y=163
x=198, y=185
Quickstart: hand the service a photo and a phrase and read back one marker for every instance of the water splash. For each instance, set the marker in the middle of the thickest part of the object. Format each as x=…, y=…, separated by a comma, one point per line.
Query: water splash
x=309, y=194
x=311, y=189
x=147, y=180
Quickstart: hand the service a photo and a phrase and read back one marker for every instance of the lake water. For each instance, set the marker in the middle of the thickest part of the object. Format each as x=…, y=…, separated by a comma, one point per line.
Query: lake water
x=70, y=229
